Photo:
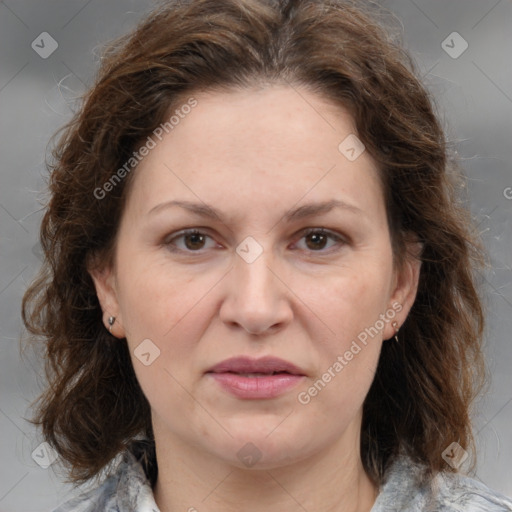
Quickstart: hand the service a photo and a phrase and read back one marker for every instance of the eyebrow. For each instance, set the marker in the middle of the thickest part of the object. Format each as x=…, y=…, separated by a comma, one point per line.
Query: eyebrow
x=307, y=210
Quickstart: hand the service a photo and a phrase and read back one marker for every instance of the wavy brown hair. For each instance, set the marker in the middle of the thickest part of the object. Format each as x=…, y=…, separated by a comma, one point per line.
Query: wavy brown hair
x=419, y=402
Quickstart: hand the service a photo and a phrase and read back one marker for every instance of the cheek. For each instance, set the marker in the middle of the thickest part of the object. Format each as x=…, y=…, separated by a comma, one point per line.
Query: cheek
x=351, y=306
x=351, y=301
x=168, y=308
x=163, y=328
x=154, y=296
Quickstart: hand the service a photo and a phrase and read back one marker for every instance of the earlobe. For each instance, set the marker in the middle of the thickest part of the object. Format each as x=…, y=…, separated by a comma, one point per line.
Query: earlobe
x=406, y=288
x=106, y=291
x=111, y=320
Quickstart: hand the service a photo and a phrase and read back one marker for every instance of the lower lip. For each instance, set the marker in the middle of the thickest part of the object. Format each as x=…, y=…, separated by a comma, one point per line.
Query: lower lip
x=269, y=386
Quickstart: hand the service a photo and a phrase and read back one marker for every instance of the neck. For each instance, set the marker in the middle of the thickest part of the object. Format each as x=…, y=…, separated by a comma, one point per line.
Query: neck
x=332, y=481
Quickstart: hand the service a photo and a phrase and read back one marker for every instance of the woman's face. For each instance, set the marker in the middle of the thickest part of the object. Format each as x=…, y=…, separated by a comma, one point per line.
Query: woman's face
x=253, y=282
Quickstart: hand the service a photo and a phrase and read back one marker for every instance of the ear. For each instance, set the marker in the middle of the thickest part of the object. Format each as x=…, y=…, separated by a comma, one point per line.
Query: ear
x=405, y=287
x=106, y=290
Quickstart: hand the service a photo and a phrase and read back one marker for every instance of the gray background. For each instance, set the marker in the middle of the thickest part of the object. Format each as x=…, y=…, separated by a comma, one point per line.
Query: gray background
x=474, y=94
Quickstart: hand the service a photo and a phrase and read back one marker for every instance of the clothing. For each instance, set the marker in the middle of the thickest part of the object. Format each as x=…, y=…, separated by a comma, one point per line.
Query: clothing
x=129, y=490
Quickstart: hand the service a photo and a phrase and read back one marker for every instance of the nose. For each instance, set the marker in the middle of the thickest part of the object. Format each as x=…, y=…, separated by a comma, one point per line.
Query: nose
x=257, y=298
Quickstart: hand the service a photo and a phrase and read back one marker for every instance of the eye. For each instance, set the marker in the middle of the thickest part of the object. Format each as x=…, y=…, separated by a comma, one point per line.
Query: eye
x=316, y=239
x=192, y=241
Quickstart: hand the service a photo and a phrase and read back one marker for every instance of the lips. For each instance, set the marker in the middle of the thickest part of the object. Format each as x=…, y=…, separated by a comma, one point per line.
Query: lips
x=265, y=366
x=256, y=379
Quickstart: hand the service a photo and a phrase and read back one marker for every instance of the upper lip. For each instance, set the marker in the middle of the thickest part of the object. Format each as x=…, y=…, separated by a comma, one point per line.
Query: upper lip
x=243, y=364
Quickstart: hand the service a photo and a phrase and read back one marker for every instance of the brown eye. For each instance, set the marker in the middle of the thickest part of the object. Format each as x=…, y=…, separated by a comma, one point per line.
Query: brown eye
x=194, y=241
x=189, y=241
x=317, y=239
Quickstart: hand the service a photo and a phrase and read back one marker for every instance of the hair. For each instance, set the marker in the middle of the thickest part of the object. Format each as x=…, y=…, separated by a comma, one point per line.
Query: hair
x=419, y=402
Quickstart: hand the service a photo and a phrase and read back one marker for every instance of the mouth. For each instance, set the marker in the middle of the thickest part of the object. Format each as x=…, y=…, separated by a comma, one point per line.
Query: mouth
x=255, y=379
x=256, y=375
x=249, y=367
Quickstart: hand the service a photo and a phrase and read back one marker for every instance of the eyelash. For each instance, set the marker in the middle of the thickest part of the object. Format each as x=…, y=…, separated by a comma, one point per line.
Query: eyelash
x=193, y=231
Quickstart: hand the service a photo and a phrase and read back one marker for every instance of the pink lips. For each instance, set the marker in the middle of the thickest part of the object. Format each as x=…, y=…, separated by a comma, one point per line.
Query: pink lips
x=248, y=378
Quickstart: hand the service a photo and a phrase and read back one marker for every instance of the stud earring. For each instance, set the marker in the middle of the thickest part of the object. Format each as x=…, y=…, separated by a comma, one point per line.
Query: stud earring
x=395, y=326
x=111, y=320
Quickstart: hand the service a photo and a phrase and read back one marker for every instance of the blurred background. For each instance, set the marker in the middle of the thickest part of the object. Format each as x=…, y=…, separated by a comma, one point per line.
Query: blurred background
x=49, y=52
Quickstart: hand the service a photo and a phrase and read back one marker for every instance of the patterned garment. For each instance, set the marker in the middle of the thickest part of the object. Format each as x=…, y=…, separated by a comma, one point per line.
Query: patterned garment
x=129, y=490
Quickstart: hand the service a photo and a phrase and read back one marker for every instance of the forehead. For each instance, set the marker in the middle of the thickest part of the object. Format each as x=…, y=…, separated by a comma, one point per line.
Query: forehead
x=270, y=144
x=263, y=123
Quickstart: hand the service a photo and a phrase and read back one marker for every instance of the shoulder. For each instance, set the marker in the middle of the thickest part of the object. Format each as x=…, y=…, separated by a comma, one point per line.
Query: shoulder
x=126, y=490
x=405, y=490
x=467, y=494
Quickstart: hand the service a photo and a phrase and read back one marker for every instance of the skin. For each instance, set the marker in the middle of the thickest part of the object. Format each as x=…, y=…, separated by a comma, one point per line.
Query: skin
x=254, y=155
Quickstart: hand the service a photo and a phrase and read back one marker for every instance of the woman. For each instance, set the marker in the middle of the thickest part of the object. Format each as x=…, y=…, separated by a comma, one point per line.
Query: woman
x=258, y=283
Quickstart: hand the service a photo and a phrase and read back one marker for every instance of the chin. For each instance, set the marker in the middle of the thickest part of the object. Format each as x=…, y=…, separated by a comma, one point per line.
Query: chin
x=264, y=448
